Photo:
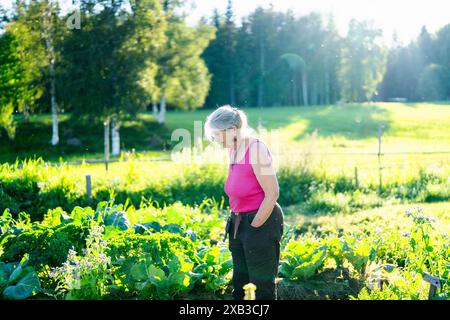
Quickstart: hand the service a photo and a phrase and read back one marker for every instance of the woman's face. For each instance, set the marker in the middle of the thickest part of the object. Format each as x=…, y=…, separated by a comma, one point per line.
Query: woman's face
x=225, y=137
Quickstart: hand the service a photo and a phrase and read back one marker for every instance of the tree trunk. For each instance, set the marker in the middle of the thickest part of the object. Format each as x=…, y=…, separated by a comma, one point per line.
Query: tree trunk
x=232, y=92
x=115, y=135
x=162, y=109
x=314, y=92
x=261, y=79
x=106, y=142
x=305, y=88
x=155, y=109
x=26, y=114
x=51, y=56
x=327, y=88
x=294, y=90
x=55, y=130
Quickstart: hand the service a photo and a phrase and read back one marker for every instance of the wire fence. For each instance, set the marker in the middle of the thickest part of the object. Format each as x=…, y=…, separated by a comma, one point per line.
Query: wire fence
x=107, y=160
x=284, y=154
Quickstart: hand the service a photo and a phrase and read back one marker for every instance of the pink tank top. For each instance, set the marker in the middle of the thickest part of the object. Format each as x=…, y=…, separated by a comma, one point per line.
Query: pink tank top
x=242, y=187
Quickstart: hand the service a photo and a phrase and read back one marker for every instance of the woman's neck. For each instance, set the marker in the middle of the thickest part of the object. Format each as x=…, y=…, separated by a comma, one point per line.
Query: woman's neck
x=238, y=144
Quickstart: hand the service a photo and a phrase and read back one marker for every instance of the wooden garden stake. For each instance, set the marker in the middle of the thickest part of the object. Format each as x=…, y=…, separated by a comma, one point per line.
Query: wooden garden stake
x=434, y=282
x=88, y=187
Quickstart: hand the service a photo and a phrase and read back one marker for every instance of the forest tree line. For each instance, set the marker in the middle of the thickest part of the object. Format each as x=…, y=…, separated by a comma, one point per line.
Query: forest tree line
x=130, y=56
x=275, y=58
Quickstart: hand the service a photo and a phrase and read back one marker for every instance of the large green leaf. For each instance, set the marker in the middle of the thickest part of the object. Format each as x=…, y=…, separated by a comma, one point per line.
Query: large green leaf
x=304, y=271
x=174, y=264
x=286, y=270
x=179, y=279
x=6, y=269
x=25, y=288
x=118, y=219
x=173, y=228
x=16, y=273
x=138, y=272
x=155, y=273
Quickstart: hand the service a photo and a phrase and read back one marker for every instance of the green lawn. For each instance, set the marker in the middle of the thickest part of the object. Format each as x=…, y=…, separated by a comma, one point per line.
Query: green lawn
x=410, y=127
x=421, y=127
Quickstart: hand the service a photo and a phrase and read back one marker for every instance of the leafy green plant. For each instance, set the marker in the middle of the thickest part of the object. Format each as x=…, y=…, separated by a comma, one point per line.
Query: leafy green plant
x=154, y=283
x=112, y=215
x=85, y=276
x=401, y=285
x=302, y=259
x=214, y=268
x=337, y=247
x=45, y=245
x=422, y=239
x=18, y=280
x=359, y=253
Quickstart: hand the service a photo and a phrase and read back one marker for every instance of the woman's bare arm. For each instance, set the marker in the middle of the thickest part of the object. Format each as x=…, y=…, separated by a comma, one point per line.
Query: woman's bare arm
x=267, y=178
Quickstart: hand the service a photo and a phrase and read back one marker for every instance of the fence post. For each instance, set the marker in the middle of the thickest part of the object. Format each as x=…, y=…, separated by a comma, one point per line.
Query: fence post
x=356, y=178
x=106, y=125
x=380, y=131
x=88, y=187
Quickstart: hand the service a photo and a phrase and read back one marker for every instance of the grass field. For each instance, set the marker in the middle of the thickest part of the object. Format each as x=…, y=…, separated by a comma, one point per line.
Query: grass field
x=421, y=127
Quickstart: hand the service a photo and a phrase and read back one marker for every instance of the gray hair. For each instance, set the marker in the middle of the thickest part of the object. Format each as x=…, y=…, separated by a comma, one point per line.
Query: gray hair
x=226, y=117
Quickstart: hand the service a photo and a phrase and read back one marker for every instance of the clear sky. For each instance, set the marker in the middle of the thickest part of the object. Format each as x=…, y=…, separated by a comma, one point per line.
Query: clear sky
x=406, y=17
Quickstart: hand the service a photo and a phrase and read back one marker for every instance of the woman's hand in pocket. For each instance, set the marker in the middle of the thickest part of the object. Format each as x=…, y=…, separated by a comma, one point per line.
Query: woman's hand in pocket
x=256, y=223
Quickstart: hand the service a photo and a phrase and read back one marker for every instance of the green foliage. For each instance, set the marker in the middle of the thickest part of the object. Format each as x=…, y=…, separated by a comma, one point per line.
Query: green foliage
x=22, y=63
x=34, y=188
x=85, y=276
x=363, y=62
x=18, y=280
x=112, y=215
x=302, y=260
x=305, y=258
x=214, y=268
x=113, y=55
x=359, y=253
x=328, y=202
x=154, y=283
x=413, y=254
x=44, y=245
x=402, y=286
x=433, y=83
x=156, y=258
x=183, y=77
x=159, y=246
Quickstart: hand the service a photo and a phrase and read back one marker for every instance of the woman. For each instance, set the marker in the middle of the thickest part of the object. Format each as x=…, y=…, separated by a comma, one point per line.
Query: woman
x=255, y=225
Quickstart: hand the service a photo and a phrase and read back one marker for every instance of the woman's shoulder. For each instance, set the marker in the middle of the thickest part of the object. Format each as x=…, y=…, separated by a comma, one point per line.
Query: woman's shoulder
x=259, y=149
x=257, y=142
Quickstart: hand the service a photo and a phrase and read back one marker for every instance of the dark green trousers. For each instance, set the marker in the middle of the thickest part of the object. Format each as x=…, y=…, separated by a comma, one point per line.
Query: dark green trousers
x=256, y=253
